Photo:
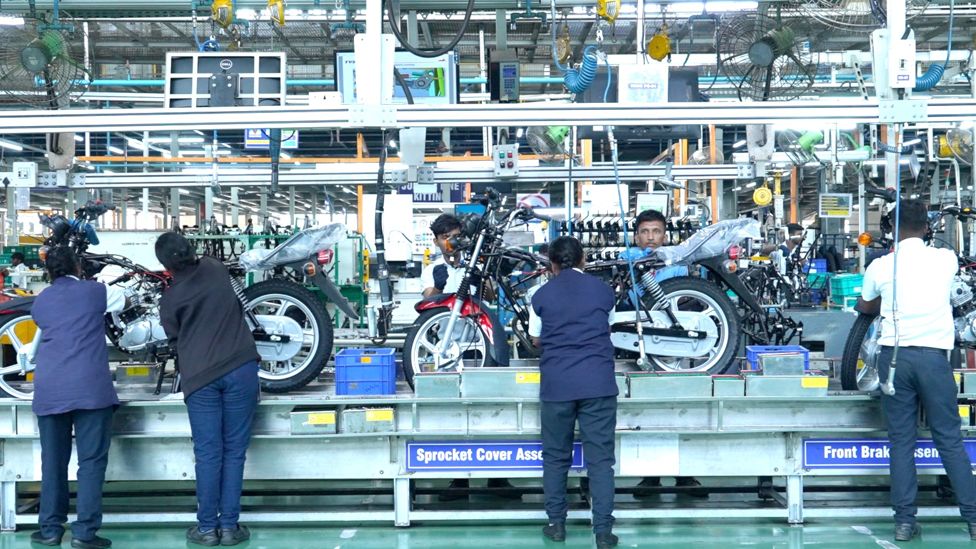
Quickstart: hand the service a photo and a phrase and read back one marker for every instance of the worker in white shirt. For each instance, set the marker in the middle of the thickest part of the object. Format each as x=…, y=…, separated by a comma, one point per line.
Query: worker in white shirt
x=16, y=270
x=917, y=329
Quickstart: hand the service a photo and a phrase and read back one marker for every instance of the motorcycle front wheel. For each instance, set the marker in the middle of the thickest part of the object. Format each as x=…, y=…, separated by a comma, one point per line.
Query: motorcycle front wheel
x=859, y=365
x=298, y=367
x=468, y=346
x=17, y=331
x=701, y=296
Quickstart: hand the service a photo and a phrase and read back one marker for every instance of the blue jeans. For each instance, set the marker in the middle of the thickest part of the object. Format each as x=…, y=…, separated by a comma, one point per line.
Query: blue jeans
x=221, y=414
x=93, y=433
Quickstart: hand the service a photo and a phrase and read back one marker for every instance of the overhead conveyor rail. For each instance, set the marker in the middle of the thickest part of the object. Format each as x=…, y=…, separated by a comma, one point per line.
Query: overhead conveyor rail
x=824, y=111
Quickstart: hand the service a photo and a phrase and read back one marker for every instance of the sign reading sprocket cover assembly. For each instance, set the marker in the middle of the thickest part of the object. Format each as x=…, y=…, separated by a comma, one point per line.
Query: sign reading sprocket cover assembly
x=836, y=205
x=481, y=456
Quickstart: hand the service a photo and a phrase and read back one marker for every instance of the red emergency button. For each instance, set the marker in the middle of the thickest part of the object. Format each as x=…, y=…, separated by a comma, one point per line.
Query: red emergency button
x=511, y=164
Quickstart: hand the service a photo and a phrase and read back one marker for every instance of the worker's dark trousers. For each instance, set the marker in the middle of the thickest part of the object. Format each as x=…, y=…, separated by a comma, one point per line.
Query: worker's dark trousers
x=93, y=435
x=598, y=422
x=923, y=375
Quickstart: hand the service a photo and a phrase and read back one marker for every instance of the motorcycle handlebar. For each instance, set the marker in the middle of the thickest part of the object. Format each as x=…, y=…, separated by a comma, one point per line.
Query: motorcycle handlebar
x=887, y=194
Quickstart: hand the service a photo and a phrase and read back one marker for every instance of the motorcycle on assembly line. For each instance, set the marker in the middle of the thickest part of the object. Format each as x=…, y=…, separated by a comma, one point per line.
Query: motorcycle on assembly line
x=687, y=324
x=859, y=365
x=291, y=326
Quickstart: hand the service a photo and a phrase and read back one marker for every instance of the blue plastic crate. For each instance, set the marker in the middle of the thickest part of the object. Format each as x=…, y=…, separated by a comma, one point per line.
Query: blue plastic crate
x=366, y=372
x=816, y=266
x=753, y=353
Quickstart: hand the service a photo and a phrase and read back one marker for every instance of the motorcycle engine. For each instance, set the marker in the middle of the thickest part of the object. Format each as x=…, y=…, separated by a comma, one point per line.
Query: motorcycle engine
x=138, y=326
x=963, y=307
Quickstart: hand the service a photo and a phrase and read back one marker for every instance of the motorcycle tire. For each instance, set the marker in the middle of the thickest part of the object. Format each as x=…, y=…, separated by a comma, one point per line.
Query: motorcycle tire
x=312, y=366
x=411, y=344
x=726, y=360
x=852, y=352
x=14, y=384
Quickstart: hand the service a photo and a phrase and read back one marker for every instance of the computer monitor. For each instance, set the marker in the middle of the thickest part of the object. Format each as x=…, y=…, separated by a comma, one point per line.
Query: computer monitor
x=432, y=81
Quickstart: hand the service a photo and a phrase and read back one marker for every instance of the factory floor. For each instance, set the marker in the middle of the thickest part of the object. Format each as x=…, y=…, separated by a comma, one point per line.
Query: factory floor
x=673, y=535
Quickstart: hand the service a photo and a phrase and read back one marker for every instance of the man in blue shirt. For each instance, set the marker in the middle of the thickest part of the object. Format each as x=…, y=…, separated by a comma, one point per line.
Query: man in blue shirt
x=577, y=384
x=650, y=234
x=73, y=390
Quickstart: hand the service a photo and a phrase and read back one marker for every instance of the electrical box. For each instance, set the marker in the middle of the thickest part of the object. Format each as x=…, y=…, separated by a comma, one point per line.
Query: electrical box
x=24, y=174
x=503, y=76
x=901, y=64
x=505, y=158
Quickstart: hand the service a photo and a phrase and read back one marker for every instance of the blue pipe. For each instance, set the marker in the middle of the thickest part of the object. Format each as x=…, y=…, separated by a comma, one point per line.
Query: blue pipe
x=934, y=73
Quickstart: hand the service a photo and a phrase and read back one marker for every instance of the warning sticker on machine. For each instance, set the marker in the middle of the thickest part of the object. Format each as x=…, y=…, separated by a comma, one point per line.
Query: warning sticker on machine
x=868, y=453
x=477, y=456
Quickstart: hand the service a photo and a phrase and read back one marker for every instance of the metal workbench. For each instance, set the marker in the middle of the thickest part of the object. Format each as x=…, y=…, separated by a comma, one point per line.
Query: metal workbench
x=743, y=437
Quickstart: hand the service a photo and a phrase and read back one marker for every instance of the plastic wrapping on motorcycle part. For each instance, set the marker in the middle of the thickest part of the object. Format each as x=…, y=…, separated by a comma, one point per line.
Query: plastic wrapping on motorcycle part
x=297, y=248
x=710, y=241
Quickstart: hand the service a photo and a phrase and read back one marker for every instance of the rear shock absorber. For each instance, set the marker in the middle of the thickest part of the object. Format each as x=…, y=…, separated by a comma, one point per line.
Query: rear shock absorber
x=651, y=286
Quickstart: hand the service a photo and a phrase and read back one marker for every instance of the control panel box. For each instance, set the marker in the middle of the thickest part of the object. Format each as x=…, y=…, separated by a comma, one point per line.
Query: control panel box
x=505, y=158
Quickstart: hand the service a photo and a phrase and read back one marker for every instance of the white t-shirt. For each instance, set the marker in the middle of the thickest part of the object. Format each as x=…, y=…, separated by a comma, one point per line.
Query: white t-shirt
x=17, y=276
x=454, y=276
x=924, y=279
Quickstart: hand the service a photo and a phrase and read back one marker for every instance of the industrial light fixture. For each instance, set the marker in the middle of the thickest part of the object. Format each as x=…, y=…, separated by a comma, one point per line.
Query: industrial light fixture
x=116, y=150
x=911, y=142
x=393, y=143
x=11, y=145
x=750, y=185
x=739, y=144
x=184, y=192
x=181, y=140
x=79, y=138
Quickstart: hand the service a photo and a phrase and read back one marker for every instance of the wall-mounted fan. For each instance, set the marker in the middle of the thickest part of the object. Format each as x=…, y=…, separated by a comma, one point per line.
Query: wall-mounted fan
x=799, y=146
x=547, y=141
x=763, y=59
x=40, y=63
x=853, y=15
x=957, y=143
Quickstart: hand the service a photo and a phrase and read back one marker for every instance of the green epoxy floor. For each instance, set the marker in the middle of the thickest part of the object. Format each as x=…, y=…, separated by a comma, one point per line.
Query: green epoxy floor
x=676, y=535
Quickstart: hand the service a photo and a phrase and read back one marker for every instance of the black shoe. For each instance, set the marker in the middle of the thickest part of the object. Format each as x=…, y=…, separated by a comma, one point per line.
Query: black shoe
x=209, y=539
x=94, y=543
x=235, y=536
x=556, y=531
x=38, y=538
x=972, y=531
x=906, y=531
x=503, y=488
x=458, y=489
x=696, y=490
x=605, y=540
x=647, y=488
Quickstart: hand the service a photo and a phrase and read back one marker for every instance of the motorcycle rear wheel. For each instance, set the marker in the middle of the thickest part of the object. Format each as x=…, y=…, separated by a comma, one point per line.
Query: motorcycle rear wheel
x=281, y=297
x=693, y=294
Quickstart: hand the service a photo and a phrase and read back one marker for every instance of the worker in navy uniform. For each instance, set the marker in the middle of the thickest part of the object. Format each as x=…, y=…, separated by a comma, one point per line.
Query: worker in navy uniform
x=204, y=320
x=650, y=233
x=73, y=390
x=443, y=276
x=577, y=384
x=920, y=323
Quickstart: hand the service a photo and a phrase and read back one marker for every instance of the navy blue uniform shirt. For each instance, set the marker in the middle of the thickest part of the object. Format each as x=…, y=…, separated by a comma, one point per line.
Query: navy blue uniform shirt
x=72, y=358
x=577, y=354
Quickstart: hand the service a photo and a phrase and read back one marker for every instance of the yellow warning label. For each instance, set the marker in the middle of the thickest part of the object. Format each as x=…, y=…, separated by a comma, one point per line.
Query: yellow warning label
x=963, y=410
x=528, y=377
x=321, y=418
x=368, y=359
x=860, y=364
x=958, y=377
x=379, y=415
x=137, y=371
x=814, y=382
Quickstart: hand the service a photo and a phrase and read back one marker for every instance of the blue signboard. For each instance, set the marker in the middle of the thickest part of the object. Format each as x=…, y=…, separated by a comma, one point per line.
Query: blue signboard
x=433, y=193
x=480, y=456
x=849, y=453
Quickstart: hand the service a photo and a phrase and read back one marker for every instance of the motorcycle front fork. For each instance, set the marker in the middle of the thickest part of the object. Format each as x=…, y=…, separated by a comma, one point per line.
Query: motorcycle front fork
x=444, y=343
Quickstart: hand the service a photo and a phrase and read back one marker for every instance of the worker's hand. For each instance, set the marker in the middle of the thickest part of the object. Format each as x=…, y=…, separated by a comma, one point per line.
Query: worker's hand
x=440, y=277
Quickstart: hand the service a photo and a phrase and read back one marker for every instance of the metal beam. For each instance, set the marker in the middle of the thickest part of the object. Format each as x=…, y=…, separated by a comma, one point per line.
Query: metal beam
x=823, y=111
